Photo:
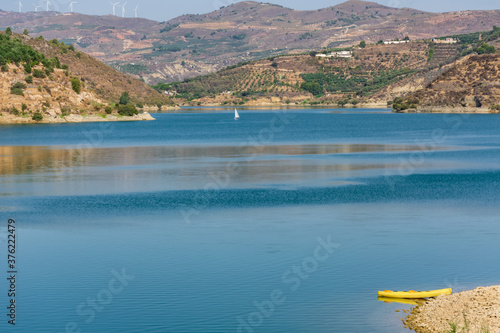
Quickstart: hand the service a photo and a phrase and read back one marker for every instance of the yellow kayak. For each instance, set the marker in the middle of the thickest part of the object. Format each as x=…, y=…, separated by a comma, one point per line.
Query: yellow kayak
x=414, y=294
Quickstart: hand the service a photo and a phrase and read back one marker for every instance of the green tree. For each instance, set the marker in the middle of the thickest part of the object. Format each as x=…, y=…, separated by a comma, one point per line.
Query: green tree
x=313, y=87
x=26, y=32
x=76, y=84
x=362, y=44
x=127, y=110
x=124, y=98
x=486, y=49
x=17, y=89
x=8, y=31
x=37, y=116
x=29, y=79
x=27, y=68
x=39, y=74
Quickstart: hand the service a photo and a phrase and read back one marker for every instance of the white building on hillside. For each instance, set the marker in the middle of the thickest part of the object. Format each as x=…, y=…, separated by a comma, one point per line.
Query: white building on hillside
x=445, y=41
x=339, y=54
x=397, y=42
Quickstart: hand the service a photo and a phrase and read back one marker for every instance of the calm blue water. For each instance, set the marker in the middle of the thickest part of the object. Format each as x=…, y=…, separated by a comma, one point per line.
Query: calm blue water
x=283, y=221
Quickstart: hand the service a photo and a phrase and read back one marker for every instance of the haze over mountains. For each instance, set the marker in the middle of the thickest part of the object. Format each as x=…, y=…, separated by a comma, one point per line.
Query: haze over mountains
x=192, y=45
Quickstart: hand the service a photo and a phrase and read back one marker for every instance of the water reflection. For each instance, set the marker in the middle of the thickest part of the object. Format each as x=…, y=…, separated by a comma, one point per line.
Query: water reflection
x=16, y=160
x=159, y=168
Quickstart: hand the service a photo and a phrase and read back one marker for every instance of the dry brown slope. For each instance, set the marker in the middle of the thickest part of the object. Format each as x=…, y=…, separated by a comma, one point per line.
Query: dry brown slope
x=473, y=82
x=53, y=94
x=107, y=83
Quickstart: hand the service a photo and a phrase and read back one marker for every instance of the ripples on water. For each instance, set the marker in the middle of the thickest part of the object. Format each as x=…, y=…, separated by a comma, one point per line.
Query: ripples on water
x=209, y=223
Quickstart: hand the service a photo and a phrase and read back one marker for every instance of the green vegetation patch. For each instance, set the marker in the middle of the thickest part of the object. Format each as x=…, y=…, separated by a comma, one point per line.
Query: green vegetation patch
x=135, y=69
x=18, y=89
x=37, y=116
x=169, y=27
x=76, y=84
x=12, y=50
x=351, y=80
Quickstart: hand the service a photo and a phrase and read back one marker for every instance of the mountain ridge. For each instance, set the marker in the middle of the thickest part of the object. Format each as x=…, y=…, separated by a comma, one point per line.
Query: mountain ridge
x=192, y=45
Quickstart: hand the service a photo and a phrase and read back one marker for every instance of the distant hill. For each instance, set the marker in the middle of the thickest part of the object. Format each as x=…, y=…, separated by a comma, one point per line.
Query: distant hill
x=50, y=78
x=193, y=45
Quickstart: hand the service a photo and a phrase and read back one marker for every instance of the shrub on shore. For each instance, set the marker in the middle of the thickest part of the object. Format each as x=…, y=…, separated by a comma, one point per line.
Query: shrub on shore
x=127, y=110
x=37, y=116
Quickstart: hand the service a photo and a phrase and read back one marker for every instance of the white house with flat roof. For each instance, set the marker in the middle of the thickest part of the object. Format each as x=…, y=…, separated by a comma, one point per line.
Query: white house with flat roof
x=338, y=54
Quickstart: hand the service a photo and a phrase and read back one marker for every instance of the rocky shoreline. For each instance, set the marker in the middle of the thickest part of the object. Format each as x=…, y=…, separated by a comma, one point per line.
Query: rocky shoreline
x=374, y=105
x=471, y=311
x=448, y=109
x=7, y=118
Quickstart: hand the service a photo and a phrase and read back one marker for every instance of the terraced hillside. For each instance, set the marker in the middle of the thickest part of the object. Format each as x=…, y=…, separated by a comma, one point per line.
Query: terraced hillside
x=193, y=45
x=307, y=78
x=368, y=74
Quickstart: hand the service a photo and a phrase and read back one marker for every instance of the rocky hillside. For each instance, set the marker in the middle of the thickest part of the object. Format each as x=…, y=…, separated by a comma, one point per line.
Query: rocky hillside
x=41, y=79
x=105, y=81
x=193, y=45
x=472, y=85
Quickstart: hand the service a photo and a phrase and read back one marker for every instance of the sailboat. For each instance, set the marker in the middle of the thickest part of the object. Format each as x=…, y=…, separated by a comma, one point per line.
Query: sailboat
x=236, y=115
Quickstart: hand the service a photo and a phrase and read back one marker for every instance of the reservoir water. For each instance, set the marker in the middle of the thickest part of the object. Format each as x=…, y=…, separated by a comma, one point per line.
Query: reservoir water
x=281, y=221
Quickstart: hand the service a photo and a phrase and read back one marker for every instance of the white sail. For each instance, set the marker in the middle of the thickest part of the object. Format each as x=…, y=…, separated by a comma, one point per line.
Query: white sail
x=236, y=115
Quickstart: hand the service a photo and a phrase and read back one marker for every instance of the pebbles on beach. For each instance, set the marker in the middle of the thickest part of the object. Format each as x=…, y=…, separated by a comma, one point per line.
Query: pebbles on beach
x=472, y=311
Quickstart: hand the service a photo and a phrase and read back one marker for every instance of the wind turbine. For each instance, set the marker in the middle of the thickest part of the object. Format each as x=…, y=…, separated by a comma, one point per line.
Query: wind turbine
x=123, y=9
x=48, y=4
x=36, y=7
x=71, y=5
x=20, y=6
x=135, y=10
x=114, y=5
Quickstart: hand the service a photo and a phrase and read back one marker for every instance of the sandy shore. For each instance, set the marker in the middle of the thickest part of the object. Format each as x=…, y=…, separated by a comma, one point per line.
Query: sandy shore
x=471, y=311
x=7, y=118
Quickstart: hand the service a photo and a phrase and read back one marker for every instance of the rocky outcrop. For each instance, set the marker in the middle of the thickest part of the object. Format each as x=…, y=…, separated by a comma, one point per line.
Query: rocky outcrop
x=447, y=109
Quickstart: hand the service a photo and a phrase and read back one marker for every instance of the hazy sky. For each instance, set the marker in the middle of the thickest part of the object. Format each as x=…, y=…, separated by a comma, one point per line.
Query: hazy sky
x=162, y=10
